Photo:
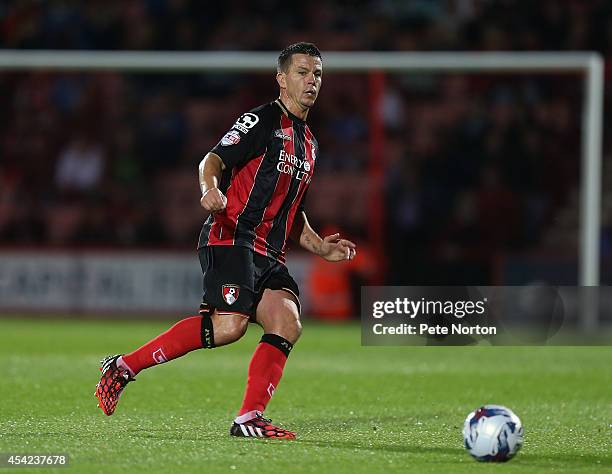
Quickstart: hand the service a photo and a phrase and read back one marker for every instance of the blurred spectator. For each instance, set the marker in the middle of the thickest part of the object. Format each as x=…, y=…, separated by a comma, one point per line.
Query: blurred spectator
x=80, y=165
x=474, y=165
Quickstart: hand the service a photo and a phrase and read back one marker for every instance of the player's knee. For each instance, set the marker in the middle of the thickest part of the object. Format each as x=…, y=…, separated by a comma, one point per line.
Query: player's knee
x=279, y=314
x=237, y=327
x=296, y=329
x=228, y=328
x=288, y=327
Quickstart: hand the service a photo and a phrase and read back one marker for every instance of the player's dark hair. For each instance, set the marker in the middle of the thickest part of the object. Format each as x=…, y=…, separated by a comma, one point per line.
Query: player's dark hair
x=284, y=58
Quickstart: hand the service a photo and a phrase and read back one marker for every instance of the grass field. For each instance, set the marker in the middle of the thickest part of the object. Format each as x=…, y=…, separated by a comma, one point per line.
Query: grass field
x=356, y=409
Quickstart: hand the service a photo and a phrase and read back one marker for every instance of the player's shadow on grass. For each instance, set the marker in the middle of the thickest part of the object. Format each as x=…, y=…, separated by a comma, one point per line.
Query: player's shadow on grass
x=558, y=460
x=567, y=460
x=352, y=445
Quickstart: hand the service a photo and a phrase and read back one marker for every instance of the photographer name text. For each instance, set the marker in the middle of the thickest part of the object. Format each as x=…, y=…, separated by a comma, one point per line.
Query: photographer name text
x=427, y=308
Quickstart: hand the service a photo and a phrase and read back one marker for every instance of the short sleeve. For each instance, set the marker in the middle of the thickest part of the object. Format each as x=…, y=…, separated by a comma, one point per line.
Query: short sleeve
x=247, y=139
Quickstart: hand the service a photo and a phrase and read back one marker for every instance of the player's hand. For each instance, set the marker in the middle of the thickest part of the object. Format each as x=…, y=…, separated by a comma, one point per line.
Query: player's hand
x=335, y=249
x=213, y=200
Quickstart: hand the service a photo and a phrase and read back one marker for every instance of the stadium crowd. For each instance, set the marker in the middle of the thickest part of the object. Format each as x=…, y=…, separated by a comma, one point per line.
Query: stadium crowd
x=474, y=165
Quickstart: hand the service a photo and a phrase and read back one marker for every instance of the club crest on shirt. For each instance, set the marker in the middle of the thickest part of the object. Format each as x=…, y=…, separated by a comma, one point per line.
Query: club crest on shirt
x=230, y=138
x=312, y=149
x=230, y=293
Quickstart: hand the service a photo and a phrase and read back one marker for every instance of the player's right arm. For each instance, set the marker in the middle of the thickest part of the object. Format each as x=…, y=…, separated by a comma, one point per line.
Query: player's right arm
x=247, y=138
x=209, y=171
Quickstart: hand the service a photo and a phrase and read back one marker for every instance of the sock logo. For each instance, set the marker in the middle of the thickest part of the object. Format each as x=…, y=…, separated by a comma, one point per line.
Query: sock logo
x=230, y=293
x=271, y=389
x=159, y=357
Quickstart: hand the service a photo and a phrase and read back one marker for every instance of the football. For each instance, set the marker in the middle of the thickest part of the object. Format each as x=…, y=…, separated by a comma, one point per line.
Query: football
x=492, y=433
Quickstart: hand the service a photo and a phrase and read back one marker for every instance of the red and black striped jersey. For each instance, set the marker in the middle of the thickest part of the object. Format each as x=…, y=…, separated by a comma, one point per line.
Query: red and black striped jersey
x=269, y=156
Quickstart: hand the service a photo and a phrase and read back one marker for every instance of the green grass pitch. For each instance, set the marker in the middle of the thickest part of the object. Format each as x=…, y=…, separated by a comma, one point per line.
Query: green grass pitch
x=356, y=409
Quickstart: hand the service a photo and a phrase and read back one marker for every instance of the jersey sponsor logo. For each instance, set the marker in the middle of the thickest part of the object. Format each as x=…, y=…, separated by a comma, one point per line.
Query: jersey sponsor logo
x=159, y=357
x=230, y=293
x=230, y=138
x=246, y=122
x=280, y=134
x=294, y=166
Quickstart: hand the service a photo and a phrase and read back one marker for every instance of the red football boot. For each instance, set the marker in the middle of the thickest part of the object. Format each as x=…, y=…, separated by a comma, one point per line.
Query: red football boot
x=260, y=427
x=111, y=384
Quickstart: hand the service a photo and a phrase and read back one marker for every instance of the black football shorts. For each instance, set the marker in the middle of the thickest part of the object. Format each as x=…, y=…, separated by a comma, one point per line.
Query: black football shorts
x=235, y=278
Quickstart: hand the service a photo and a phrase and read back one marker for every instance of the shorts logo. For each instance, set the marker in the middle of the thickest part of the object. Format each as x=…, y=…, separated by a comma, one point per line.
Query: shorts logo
x=279, y=134
x=246, y=122
x=230, y=293
x=230, y=138
x=159, y=357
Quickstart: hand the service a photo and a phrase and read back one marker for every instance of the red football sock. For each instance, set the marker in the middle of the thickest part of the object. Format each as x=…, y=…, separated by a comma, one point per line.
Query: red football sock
x=265, y=371
x=183, y=337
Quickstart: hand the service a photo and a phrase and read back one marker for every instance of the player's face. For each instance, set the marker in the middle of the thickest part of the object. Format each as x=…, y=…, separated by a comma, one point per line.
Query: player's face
x=303, y=79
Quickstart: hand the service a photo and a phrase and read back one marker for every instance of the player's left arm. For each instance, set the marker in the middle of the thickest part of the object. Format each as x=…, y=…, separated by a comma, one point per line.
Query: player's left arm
x=331, y=247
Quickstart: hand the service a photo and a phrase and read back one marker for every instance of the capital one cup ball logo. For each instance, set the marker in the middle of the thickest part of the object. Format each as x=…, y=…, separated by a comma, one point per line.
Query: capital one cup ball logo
x=230, y=293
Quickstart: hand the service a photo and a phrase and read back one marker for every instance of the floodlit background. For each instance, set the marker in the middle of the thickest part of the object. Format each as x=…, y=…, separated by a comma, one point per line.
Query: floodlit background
x=442, y=179
x=481, y=171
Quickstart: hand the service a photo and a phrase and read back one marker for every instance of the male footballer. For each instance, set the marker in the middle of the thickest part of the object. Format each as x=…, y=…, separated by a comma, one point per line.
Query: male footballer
x=253, y=185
